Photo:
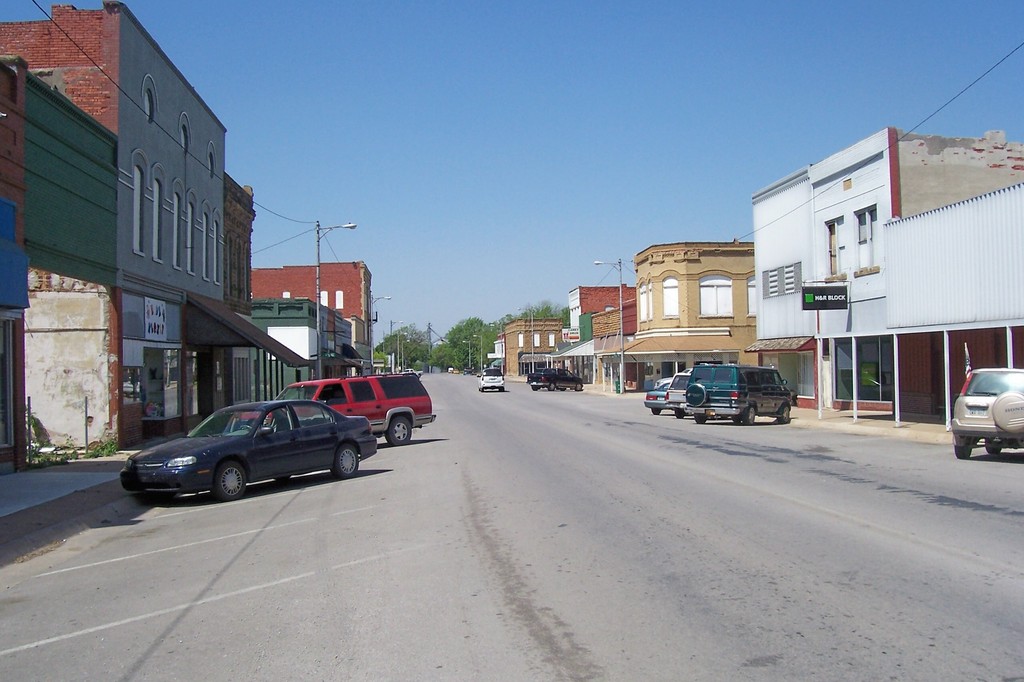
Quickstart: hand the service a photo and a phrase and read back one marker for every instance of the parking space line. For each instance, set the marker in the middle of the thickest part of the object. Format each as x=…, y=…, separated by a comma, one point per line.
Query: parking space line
x=171, y=549
x=201, y=602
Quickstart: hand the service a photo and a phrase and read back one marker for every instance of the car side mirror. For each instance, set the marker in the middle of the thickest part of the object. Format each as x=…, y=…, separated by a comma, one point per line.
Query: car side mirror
x=265, y=430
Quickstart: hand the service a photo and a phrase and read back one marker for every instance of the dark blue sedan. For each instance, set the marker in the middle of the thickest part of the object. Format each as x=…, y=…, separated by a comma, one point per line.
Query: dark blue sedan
x=252, y=442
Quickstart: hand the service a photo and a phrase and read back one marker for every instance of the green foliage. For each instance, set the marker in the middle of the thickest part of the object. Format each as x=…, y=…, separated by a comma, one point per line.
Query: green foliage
x=408, y=345
x=467, y=343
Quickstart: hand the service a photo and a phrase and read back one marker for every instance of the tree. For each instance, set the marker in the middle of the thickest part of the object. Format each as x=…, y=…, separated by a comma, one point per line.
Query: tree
x=407, y=346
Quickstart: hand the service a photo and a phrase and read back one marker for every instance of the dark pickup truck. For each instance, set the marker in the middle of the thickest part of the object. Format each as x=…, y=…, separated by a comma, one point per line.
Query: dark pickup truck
x=553, y=379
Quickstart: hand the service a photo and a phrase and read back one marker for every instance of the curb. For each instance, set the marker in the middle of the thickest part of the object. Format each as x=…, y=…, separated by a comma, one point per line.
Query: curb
x=33, y=531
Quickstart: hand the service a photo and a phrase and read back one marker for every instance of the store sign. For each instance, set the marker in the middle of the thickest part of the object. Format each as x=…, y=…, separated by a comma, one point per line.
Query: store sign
x=156, y=319
x=570, y=334
x=826, y=298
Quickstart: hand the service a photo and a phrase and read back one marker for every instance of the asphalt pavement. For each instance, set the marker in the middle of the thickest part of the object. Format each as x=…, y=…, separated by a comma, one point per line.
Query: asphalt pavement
x=40, y=508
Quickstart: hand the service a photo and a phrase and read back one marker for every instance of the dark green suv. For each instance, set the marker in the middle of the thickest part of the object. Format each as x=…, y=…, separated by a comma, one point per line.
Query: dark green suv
x=739, y=392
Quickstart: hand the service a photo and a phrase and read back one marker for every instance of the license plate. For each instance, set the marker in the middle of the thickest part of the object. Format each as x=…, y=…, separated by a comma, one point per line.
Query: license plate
x=976, y=410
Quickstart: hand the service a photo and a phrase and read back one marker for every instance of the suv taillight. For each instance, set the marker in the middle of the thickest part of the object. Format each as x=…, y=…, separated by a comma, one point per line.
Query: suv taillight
x=735, y=395
x=967, y=380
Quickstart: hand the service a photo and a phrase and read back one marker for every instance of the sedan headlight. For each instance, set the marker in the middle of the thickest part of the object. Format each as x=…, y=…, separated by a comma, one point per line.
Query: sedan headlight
x=178, y=462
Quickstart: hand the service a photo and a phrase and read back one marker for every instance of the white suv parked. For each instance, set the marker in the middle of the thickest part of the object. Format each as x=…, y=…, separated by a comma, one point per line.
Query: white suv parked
x=492, y=380
x=990, y=408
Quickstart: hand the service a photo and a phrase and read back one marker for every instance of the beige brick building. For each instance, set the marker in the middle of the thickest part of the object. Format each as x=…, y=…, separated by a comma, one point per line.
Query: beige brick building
x=529, y=343
x=696, y=302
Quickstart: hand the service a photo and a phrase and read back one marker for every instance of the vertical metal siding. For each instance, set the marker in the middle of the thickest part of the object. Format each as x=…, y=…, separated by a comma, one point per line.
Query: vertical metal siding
x=958, y=264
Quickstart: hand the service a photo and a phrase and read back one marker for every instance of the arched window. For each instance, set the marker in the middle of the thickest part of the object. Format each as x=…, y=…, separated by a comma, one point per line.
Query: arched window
x=176, y=231
x=218, y=258
x=203, y=238
x=670, y=297
x=149, y=98
x=185, y=136
x=643, y=302
x=158, y=224
x=751, y=297
x=715, y=296
x=149, y=104
x=138, y=219
x=211, y=160
x=190, y=252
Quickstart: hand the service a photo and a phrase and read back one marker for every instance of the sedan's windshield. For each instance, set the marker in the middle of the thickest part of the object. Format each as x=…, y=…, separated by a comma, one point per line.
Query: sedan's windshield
x=231, y=422
x=297, y=393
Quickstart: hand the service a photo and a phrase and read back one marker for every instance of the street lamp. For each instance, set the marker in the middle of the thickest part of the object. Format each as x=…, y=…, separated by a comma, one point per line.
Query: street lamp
x=319, y=232
x=622, y=337
x=371, y=318
x=391, y=332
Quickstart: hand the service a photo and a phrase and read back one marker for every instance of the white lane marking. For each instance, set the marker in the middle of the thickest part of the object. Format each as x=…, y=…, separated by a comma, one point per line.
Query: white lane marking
x=199, y=602
x=190, y=544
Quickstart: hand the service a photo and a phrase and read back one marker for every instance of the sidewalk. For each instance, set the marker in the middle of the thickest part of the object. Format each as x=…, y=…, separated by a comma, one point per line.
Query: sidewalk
x=866, y=424
x=40, y=507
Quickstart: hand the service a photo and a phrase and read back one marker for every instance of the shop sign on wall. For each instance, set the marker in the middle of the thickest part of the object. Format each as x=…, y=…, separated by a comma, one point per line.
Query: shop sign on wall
x=825, y=297
x=156, y=319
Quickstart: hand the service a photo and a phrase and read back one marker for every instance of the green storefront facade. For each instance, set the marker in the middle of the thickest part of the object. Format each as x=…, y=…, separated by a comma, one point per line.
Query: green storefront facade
x=70, y=218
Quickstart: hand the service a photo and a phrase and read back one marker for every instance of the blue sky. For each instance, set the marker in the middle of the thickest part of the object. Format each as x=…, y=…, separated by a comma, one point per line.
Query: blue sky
x=490, y=152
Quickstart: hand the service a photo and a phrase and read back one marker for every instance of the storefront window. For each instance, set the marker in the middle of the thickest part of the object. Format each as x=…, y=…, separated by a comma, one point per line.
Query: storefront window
x=131, y=385
x=874, y=373
x=191, y=388
x=160, y=383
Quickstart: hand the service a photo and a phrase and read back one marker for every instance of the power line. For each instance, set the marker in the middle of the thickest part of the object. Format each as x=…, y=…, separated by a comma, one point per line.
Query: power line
x=900, y=138
x=166, y=132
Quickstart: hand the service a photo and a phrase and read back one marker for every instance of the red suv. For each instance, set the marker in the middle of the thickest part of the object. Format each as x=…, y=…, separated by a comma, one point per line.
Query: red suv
x=395, y=404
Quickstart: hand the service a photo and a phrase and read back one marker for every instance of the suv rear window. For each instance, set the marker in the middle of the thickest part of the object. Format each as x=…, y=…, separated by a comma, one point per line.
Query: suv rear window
x=713, y=374
x=492, y=372
x=994, y=383
x=403, y=386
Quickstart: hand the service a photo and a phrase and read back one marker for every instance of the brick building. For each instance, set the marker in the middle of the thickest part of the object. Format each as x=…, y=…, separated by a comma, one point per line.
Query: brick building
x=697, y=302
x=344, y=288
x=172, y=340
x=529, y=343
x=239, y=215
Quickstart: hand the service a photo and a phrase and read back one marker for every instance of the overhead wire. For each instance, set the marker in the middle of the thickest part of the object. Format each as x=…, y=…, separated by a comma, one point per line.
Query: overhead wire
x=166, y=132
x=898, y=140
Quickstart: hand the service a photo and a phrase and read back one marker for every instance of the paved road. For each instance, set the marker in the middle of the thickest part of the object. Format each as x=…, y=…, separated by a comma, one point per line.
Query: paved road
x=564, y=536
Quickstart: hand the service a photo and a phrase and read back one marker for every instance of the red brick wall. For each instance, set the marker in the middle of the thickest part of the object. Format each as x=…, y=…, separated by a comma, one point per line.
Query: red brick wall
x=61, y=63
x=131, y=425
x=599, y=299
x=300, y=282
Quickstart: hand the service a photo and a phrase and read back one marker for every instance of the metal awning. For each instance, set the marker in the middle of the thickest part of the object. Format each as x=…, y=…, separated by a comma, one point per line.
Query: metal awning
x=670, y=345
x=349, y=357
x=581, y=349
x=209, y=322
x=790, y=344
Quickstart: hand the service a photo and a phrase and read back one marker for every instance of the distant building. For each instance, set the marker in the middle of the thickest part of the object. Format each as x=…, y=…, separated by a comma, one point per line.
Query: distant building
x=529, y=342
x=344, y=288
x=696, y=302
